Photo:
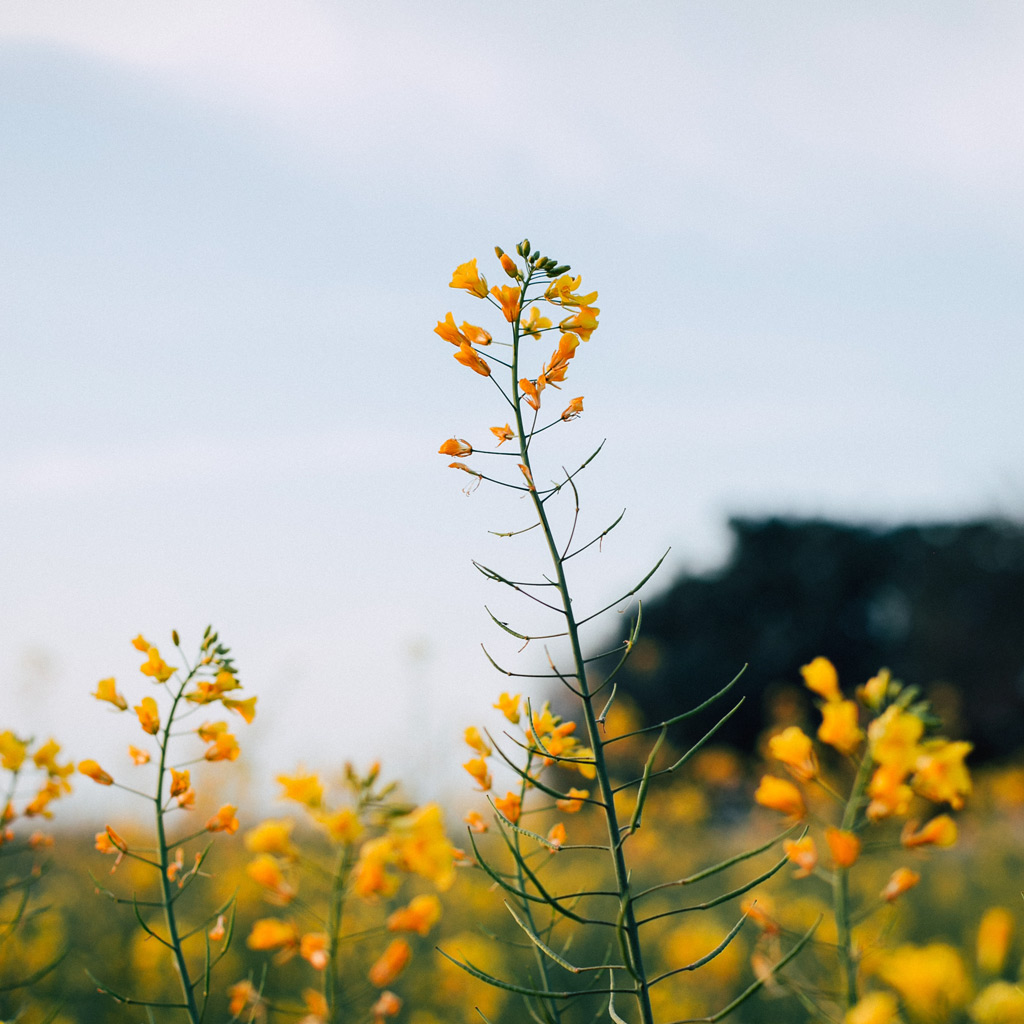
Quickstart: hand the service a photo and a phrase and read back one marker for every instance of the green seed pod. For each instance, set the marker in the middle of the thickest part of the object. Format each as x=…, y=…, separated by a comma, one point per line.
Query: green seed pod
x=526, y=248
x=174, y=638
x=559, y=271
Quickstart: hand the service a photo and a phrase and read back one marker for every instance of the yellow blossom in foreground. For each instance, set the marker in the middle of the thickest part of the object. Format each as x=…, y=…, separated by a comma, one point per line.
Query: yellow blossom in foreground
x=467, y=355
x=940, y=831
x=420, y=915
x=371, y=875
x=266, y=870
x=273, y=933
x=477, y=767
x=12, y=751
x=508, y=265
x=140, y=643
x=313, y=949
x=476, y=741
x=899, y=882
x=583, y=322
x=271, y=836
x=874, y=1008
x=503, y=434
x=561, y=292
x=839, y=728
x=940, y=774
x=246, y=708
x=780, y=795
x=224, y=748
x=209, y=731
x=803, y=853
x=533, y=323
x=156, y=667
x=844, y=847
x=509, y=707
x=573, y=801
x=149, y=715
x=95, y=772
x=872, y=693
x=889, y=793
x=224, y=820
x=820, y=677
x=510, y=806
x=106, y=690
x=573, y=409
x=469, y=333
x=423, y=847
x=508, y=298
x=893, y=738
x=342, y=825
x=794, y=749
x=466, y=276
x=930, y=979
x=995, y=934
x=180, y=782
x=391, y=963
x=1002, y=1002
x=138, y=755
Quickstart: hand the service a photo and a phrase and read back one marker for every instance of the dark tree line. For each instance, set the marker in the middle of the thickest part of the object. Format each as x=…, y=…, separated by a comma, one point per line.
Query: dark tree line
x=941, y=606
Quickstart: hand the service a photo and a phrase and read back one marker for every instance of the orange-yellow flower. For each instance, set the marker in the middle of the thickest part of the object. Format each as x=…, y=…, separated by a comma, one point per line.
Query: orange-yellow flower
x=476, y=741
x=889, y=793
x=573, y=800
x=371, y=876
x=573, y=409
x=138, y=755
x=209, y=731
x=422, y=846
x=839, y=726
x=583, y=322
x=342, y=825
x=508, y=265
x=475, y=821
x=266, y=870
x=531, y=391
x=940, y=774
x=108, y=841
x=179, y=782
x=313, y=948
x=509, y=707
x=224, y=820
x=557, y=835
x=95, y=772
x=466, y=276
x=561, y=292
x=387, y=1005
x=803, y=853
x=554, y=372
x=246, y=708
x=106, y=690
x=534, y=323
x=273, y=933
x=874, y=1008
x=995, y=933
x=931, y=980
x=899, y=882
x=456, y=446
x=794, y=749
x=243, y=995
x=780, y=795
x=469, y=333
x=525, y=470
x=893, y=738
x=271, y=836
x=391, y=963
x=149, y=715
x=844, y=847
x=156, y=667
x=477, y=767
x=508, y=298
x=219, y=930
x=510, y=806
x=821, y=678
x=503, y=434
x=872, y=693
x=140, y=643
x=303, y=788
x=940, y=831
x=224, y=748
x=420, y=915
x=468, y=356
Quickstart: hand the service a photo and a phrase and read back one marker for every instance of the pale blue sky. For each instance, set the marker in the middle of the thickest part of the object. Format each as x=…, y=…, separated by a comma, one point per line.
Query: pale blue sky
x=227, y=233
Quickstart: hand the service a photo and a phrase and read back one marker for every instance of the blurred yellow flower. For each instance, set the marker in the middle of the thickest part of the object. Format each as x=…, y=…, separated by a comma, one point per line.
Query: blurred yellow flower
x=509, y=707
x=839, y=726
x=138, y=755
x=224, y=820
x=466, y=276
x=224, y=748
x=179, y=781
x=874, y=1008
x=803, y=853
x=893, y=738
x=510, y=806
x=931, y=980
x=342, y=825
x=844, y=847
x=149, y=715
x=273, y=933
x=106, y=690
x=475, y=822
x=889, y=793
x=246, y=708
x=423, y=847
x=780, y=795
x=995, y=934
x=313, y=948
x=1002, y=1002
x=391, y=963
x=156, y=667
x=387, y=1005
x=140, y=643
x=820, y=677
x=557, y=835
x=899, y=882
x=940, y=831
x=266, y=871
x=940, y=774
x=573, y=801
x=95, y=772
x=872, y=693
x=271, y=836
x=371, y=877
x=573, y=409
x=420, y=915
x=477, y=767
x=794, y=749
x=243, y=995
x=476, y=741
x=13, y=751
x=503, y=434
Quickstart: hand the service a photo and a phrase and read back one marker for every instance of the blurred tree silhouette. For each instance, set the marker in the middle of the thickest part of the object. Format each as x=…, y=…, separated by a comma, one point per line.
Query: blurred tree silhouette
x=942, y=606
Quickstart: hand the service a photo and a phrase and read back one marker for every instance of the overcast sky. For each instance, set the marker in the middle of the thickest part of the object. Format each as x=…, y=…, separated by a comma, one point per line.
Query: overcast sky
x=226, y=234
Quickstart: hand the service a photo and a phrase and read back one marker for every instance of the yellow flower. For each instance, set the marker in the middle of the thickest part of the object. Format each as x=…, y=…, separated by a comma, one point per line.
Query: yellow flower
x=343, y=825
x=371, y=877
x=12, y=751
x=531, y=391
x=780, y=795
x=510, y=806
x=839, y=727
x=508, y=298
x=508, y=265
x=931, y=980
x=583, y=322
x=266, y=870
x=874, y=1008
x=872, y=694
x=503, y=434
x=995, y=933
x=422, y=846
x=149, y=715
x=271, y=836
x=95, y=772
x=574, y=800
x=467, y=355
x=246, y=708
x=223, y=748
x=140, y=643
x=554, y=372
x=419, y=916
x=219, y=930
x=223, y=821
x=509, y=707
x=466, y=276
x=557, y=836
x=803, y=853
x=273, y=933
x=525, y=470
x=469, y=333
x=387, y=1005
x=105, y=690
x=314, y=949
x=46, y=757
x=303, y=788
x=940, y=831
x=893, y=738
x=317, y=1006
x=534, y=323
x=475, y=822
x=940, y=774
x=821, y=678
x=209, y=731
x=476, y=741
x=573, y=409
x=456, y=446
x=999, y=1003
x=477, y=767
x=156, y=667
x=889, y=793
x=561, y=292
x=899, y=882
x=844, y=847
x=179, y=782
x=794, y=749
x=391, y=963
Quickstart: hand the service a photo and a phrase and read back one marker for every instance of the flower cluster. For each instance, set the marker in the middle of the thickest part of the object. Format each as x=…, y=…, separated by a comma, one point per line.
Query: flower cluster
x=370, y=847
